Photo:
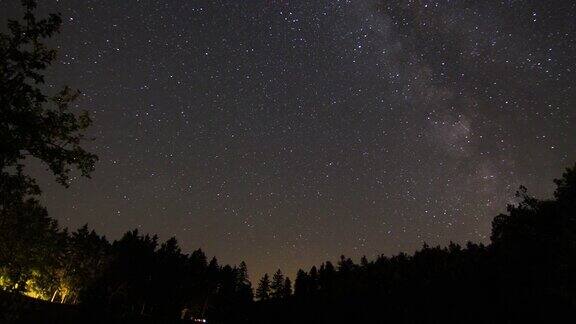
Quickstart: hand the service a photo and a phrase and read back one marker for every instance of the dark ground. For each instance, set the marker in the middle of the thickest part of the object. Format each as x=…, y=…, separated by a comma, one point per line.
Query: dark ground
x=16, y=308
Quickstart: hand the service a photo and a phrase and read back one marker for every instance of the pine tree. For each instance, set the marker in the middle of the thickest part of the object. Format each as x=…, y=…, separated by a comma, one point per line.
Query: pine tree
x=287, y=288
x=243, y=273
x=263, y=291
x=244, y=285
x=345, y=265
x=364, y=261
x=313, y=280
x=301, y=284
x=326, y=275
x=277, y=285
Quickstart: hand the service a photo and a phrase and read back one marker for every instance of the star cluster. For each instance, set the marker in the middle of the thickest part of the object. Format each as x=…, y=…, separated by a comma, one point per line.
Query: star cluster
x=285, y=133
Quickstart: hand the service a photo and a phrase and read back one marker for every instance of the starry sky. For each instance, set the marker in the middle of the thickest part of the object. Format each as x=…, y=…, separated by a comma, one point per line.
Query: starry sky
x=285, y=133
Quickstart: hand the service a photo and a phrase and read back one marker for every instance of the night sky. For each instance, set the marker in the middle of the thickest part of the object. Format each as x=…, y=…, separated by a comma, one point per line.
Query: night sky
x=285, y=133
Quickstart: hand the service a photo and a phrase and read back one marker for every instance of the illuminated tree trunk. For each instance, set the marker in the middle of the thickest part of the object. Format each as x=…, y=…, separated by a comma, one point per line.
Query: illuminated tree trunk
x=54, y=295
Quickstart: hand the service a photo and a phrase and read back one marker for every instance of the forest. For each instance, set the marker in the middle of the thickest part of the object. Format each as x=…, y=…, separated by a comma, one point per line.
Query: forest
x=526, y=273
x=52, y=274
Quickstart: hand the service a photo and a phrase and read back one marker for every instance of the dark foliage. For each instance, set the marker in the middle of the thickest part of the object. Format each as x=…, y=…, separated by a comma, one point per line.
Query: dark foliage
x=526, y=274
x=36, y=124
x=33, y=122
x=143, y=277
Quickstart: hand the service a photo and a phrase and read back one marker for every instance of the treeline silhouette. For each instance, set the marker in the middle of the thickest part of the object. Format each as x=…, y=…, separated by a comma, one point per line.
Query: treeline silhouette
x=133, y=275
x=526, y=274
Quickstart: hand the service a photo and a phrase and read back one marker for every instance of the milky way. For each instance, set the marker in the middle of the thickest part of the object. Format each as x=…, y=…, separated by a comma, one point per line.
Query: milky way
x=286, y=133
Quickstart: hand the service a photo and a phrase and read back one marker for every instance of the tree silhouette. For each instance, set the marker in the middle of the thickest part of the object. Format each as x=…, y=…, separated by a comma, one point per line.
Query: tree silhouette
x=30, y=241
x=244, y=285
x=277, y=285
x=326, y=275
x=81, y=260
x=263, y=290
x=301, y=284
x=35, y=124
x=526, y=274
x=243, y=273
x=313, y=280
x=287, y=288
